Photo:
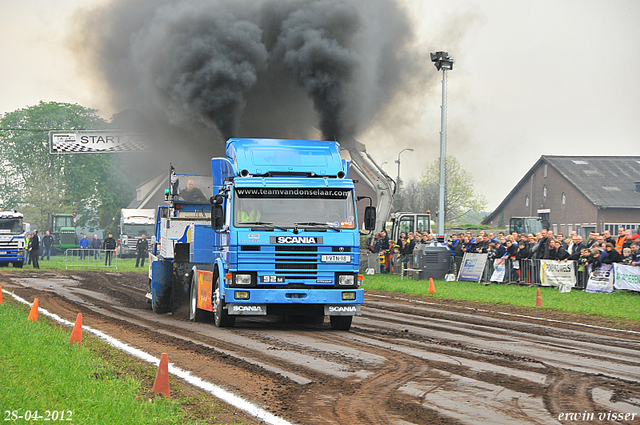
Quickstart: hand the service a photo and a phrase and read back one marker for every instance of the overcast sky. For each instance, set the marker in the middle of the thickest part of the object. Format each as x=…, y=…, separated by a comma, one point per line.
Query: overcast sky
x=550, y=77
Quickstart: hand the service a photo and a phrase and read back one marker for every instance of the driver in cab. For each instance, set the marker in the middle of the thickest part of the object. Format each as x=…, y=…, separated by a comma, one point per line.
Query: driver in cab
x=192, y=193
x=248, y=212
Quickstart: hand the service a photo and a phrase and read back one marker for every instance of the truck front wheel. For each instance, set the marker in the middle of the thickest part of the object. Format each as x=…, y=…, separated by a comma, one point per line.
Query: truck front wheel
x=221, y=316
x=341, y=323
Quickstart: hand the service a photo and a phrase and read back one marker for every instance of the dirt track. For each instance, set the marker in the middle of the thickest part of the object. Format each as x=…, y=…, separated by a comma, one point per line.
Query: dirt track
x=403, y=362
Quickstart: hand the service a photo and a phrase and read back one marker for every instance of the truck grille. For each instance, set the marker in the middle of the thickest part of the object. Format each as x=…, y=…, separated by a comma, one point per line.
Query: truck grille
x=8, y=245
x=290, y=262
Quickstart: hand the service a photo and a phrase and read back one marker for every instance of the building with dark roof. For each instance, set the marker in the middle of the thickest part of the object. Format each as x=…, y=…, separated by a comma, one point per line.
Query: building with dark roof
x=582, y=193
x=150, y=194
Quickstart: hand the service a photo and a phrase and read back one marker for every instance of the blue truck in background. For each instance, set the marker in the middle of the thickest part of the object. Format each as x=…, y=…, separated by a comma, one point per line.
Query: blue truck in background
x=12, y=238
x=274, y=231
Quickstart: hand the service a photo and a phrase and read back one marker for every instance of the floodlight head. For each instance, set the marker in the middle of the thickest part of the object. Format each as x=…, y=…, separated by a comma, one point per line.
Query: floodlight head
x=442, y=61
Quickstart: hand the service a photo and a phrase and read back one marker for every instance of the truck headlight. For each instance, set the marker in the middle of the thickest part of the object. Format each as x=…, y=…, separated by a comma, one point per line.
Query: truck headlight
x=346, y=280
x=243, y=279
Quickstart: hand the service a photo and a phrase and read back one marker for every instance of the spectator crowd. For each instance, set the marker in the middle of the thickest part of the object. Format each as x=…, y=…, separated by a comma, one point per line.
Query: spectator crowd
x=518, y=248
x=544, y=245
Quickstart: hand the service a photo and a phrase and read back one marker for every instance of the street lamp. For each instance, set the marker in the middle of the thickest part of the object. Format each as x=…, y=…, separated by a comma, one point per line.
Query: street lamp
x=398, y=162
x=444, y=63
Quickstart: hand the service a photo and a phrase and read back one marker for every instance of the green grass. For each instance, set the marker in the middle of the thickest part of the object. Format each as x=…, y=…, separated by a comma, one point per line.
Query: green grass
x=40, y=371
x=620, y=304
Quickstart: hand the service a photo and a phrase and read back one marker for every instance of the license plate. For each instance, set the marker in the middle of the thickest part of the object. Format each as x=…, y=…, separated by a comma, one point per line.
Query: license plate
x=336, y=258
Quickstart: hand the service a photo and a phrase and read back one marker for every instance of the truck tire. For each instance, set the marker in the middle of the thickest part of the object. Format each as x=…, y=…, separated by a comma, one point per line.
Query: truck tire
x=221, y=316
x=18, y=264
x=195, y=314
x=340, y=323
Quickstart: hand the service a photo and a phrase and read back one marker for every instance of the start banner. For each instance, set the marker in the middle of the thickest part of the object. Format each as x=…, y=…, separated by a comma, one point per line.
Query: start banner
x=94, y=141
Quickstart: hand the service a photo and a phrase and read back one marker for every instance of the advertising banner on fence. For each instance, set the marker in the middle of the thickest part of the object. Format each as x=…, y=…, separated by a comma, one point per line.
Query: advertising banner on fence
x=472, y=267
x=601, y=279
x=627, y=277
x=558, y=273
x=498, y=270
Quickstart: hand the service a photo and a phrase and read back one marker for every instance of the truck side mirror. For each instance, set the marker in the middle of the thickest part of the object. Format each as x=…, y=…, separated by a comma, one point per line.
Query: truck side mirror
x=370, y=218
x=217, y=212
x=217, y=217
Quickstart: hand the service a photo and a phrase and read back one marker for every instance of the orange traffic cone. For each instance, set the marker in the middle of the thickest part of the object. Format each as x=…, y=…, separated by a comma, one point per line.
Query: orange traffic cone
x=161, y=384
x=33, y=315
x=538, y=299
x=432, y=288
x=76, y=333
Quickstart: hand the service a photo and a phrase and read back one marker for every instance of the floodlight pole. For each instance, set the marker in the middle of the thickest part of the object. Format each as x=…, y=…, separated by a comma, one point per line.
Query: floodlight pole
x=443, y=62
x=443, y=112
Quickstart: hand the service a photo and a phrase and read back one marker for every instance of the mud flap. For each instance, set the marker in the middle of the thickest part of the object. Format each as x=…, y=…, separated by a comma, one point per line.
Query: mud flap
x=247, y=309
x=161, y=289
x=342, y=310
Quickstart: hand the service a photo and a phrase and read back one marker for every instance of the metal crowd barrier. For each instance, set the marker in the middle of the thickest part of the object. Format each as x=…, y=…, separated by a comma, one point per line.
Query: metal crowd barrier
x=517, y=272
x=380, y=262
x=527, y=272
x=78, y=257
x=397, y=264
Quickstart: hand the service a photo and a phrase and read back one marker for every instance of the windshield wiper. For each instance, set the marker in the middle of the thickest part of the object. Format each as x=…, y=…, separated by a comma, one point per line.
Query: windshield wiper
x=265, y=224
x=316, y=224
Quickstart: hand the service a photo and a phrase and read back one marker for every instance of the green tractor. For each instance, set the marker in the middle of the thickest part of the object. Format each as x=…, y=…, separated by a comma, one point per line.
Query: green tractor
x=62, y=228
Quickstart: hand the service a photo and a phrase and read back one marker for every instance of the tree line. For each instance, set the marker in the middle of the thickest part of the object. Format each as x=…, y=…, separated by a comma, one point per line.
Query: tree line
x=33, y=181
x=463, y=204
x=96, y=186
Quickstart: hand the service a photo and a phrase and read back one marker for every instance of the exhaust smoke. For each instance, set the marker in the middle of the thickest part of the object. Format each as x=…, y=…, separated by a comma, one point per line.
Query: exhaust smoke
x=203, y=71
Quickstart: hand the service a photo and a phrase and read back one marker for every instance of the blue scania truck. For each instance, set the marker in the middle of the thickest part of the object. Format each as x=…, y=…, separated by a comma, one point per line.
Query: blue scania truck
x=274, y=231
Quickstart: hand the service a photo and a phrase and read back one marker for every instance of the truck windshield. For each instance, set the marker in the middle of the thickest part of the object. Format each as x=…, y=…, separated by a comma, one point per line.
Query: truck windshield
x=138, y=229
x=12, y=226
x=286, y=207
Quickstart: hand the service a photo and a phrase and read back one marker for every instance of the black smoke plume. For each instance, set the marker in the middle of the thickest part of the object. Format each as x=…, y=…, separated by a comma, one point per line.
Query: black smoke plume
x=207, y=70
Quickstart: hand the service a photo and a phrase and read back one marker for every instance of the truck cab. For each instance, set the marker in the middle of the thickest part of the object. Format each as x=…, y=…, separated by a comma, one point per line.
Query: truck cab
x=12, y=238
x=133, y=224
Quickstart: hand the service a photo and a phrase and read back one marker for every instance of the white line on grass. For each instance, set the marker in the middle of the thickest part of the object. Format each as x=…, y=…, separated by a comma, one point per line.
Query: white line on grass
x=217, y=391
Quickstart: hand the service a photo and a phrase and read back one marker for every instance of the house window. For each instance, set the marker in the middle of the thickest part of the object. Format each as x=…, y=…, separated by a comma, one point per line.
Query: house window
x=526, y=201
x=544, y=171
x=544, y=191
x=564, y=198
